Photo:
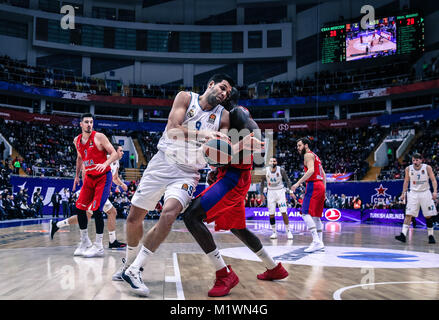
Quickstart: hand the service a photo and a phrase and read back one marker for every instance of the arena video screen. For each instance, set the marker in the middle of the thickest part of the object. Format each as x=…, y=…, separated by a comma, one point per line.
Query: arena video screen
x=393, y=35
x=380, y=40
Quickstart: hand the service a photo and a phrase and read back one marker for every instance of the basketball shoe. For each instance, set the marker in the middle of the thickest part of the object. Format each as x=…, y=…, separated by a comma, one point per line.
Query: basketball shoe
x=134, y=278
x=94, y=251
x=82, y=248
x=117, y=276
x=401, y=237
x=315, y=246
x=52, y=228
x=276, y=273
x=224, y=282
x=116, y=245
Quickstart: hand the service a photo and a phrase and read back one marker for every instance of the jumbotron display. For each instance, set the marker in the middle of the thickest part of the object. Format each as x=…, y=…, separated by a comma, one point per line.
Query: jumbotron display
x=393, y=35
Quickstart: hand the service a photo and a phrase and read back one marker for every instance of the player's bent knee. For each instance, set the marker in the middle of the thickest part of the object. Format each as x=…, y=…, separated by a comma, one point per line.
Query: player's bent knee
x=136, y=215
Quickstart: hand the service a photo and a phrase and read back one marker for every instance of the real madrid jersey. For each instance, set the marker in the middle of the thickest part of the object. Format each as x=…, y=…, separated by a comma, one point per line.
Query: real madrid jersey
x=419, y=178
x=114, y=167
x=274, y=179
x=188, y=154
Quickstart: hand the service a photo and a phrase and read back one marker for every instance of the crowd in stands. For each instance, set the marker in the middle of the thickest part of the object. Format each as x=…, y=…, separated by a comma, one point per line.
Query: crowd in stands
x=46, y=150
x=323, y=83
x=18, y=72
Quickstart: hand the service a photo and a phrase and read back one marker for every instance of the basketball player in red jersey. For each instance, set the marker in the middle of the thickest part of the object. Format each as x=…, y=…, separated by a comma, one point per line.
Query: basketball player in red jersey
x=92, y=148
x=224, y=202
x=312, y=207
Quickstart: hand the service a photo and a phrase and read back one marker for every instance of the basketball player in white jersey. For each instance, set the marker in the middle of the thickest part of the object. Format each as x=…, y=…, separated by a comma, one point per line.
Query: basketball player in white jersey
x=109, y=209
x=173, y=172
x=275, y=177
x=419, y=196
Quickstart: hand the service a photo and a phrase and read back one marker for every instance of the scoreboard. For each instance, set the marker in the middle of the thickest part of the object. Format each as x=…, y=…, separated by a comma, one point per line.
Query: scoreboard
x=395, y=35
x=410, y=33
x=333, y=44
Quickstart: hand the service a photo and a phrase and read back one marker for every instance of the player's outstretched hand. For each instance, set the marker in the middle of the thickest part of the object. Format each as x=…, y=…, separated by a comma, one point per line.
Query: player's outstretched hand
x=252, y=144
x=100, y=167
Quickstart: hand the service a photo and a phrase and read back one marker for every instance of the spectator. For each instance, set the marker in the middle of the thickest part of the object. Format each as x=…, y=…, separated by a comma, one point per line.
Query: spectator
x=2, y=150
x=56, y=202
x=65, y=196
x=3, y=214
x=17, y=166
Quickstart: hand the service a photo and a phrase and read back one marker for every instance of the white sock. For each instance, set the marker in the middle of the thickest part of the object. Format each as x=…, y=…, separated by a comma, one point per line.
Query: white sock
x=63, y=223
x=273, y=226
x=266, y=259
x=405, y=228
x=98, y=241
x=430, y=231
x=130, y=255
x=217, y=260
x=287, y=228
x=141, y=258
x=112, y=236
x=319, y=227
x=84, y=235
x=310, y=224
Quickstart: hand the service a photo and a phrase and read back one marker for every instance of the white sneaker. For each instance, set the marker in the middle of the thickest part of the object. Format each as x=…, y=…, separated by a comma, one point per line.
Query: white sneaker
x=315, y=246
x=94, y=251
x=82, y=248
x=117, y=276
x=134, y=279
x=274, y=235
x=289, y=235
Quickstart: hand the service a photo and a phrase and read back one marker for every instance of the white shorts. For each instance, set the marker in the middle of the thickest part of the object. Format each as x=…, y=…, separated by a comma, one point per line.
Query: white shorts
x=276, y=197
x=107, y=206
x=417, y=200
x=162, y=177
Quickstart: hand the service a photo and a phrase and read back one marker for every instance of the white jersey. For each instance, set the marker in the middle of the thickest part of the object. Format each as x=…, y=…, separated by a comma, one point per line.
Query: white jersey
x=419, y=178
x=114, y=167
x=274, y=179
x=188, y=154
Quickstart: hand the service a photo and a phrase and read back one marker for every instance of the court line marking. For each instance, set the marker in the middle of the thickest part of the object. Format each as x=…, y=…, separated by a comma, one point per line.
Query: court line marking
x=337, y=294
x=177, y=279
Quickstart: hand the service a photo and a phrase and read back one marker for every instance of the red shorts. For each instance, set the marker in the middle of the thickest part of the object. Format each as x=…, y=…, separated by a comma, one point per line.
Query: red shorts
x=224, y=200
x=314, y=199
x=94, y=192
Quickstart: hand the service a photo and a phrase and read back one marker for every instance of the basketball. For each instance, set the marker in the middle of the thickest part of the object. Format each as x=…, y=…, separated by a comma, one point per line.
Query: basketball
x=217, y=152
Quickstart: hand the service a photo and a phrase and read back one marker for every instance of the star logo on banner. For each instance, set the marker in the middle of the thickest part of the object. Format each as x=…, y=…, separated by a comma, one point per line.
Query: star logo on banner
x=381, y=190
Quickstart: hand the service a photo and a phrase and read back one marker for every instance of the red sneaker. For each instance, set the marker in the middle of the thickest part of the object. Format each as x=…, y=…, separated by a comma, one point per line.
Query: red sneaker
x=276, y=273
x=224, y=282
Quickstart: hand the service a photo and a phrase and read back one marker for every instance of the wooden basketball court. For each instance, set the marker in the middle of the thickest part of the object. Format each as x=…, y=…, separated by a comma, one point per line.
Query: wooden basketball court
x=361, y=262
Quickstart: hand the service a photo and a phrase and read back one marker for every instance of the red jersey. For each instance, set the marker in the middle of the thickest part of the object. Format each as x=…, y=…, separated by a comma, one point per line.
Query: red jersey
x=318, y=174
x=91, y=155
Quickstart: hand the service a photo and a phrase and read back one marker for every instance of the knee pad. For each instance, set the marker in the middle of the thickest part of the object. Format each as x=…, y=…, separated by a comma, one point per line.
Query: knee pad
x=194, y=212
x=429, y=222
x=272, y=220
x=82, y=218
x=318, y=223
x=310, y=224
x=99, y=221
